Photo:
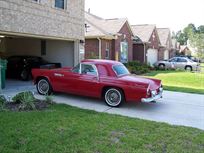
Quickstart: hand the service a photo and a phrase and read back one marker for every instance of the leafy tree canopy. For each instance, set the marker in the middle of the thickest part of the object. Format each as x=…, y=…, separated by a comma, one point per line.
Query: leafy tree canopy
x=195, y=35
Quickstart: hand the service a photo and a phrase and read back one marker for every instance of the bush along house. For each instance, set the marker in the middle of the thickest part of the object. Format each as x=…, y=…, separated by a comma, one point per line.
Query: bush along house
x=146, y=43
x=108, y=38
x=166, y=49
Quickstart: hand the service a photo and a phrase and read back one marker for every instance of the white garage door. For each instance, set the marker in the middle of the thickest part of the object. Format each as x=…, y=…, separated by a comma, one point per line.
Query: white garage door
x=166, y=55
x=152, y=56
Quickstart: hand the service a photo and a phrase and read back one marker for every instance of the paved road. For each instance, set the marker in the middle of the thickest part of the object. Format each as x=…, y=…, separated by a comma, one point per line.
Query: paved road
x=174, y=108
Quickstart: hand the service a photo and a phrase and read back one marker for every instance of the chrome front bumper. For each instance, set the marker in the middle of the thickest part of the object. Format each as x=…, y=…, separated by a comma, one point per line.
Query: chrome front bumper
x=154, y=96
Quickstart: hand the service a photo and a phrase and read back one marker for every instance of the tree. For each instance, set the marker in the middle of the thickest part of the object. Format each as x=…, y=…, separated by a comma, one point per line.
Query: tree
x=181, y=37
x=197, y=41
x=195, y=37
x=201, y=29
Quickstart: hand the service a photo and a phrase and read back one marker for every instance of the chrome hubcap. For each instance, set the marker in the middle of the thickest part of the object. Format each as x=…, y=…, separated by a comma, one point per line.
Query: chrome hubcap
x=43, y=86
x=113, y=97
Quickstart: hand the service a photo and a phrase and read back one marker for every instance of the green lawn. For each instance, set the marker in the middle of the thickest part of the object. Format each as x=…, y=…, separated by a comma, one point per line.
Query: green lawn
x=64, y=129
x=180, y=80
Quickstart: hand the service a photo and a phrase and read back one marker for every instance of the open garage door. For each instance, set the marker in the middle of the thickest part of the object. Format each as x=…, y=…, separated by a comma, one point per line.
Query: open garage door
x=54, y=52
x=152, y=56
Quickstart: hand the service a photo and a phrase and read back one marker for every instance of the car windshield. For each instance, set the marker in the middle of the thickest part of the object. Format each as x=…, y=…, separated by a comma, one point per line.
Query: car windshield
x=120, y=70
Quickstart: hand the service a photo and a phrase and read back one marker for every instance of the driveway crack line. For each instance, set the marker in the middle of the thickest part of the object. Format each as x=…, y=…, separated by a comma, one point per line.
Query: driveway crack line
x=107, y=109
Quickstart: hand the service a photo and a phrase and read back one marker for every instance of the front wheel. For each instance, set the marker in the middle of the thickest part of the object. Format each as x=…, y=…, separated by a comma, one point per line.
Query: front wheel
x=161, y=66
x=114, y=97
x=43, y=87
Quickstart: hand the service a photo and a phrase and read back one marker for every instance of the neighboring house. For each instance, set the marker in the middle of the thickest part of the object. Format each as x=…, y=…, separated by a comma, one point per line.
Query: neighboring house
x=52, y=29
x=166, y=43
x=146, y=43
x=184, y=50
x=108, y=38
x=175, y=47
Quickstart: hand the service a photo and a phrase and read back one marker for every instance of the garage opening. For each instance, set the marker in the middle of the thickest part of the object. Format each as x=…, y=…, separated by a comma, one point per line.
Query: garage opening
x=51, y=51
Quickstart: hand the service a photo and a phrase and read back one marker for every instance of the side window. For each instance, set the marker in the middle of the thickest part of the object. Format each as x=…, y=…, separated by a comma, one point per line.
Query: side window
x=182, y=60
x=88, y=69
x=76, y=69
x=173, y=60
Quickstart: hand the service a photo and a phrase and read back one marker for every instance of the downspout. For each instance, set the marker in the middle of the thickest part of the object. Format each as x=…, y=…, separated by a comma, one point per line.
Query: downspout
x=99, y=48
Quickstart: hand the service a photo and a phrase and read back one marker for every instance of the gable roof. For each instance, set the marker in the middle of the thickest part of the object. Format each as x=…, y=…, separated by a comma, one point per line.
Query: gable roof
x=163, y=35
x=144, y=31
x=183, y=47
x=103, y=27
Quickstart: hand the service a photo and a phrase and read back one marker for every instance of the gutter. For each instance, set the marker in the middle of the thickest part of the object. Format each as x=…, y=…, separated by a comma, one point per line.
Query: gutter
x=99, y=48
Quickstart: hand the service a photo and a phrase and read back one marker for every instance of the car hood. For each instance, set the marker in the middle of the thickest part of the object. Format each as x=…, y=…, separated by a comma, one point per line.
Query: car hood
x=152, y=83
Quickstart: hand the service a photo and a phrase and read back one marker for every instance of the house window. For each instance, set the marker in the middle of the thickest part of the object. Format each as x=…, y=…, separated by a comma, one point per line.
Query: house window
x=60, y=4
x=124, y=52
x=107, y=50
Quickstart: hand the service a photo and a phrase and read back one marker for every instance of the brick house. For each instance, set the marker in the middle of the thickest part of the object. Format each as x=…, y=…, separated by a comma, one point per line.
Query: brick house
x=108, y=38
x=184, y=50
x=146, y=43
x=52, y=29
x=175, y=47
x=166, y=49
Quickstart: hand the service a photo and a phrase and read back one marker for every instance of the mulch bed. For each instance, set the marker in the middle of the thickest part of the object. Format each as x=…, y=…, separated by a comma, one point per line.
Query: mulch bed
x=14, y=106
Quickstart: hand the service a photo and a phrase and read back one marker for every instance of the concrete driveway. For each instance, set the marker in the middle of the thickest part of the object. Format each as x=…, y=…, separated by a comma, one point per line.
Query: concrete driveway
x=174, y=108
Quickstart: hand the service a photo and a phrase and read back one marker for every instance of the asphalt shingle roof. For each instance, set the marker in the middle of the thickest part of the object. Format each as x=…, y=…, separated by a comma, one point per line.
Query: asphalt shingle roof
x=144, y=31
x=163, y=35
x=100, y=27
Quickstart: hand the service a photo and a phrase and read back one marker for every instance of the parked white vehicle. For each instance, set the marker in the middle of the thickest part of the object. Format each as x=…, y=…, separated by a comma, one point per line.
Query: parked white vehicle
x=178, y=63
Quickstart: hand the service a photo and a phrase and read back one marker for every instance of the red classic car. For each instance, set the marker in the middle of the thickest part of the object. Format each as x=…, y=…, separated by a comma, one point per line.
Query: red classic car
x=98, y=78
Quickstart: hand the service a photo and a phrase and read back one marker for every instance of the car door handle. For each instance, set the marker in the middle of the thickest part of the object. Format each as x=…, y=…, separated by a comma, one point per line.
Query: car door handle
x=58, y=74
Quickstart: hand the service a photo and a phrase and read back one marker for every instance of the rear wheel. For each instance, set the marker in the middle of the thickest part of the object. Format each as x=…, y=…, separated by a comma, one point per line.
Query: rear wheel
x=188, y=68
x=113, y=97
x=43, y=87
x=25, y=75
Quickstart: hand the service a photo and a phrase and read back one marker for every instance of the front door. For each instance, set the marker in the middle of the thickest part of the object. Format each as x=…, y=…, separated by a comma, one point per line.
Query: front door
x=89, y=80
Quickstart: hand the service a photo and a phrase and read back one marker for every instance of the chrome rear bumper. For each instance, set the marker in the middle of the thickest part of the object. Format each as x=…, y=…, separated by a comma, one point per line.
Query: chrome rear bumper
x=153, y=97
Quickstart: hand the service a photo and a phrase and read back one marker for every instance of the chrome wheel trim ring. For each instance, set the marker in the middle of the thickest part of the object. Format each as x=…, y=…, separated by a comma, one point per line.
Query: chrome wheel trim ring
x=113, y=97
x=43, y=86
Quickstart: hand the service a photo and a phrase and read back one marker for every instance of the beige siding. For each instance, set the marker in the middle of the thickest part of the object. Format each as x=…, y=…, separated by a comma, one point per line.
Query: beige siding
x=42, y=18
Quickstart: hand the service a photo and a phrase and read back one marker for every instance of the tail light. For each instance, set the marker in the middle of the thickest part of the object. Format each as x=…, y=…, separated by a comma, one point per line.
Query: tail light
x=148, y=92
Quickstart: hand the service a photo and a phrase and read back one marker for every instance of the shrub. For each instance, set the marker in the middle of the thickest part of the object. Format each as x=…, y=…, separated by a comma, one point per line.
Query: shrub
x=26, y=100
x=136, y=67
x=49, y=99
x=2, y=102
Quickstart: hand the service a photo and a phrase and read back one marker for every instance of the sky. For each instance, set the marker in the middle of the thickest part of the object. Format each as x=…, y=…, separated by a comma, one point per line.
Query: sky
x=173, y=14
